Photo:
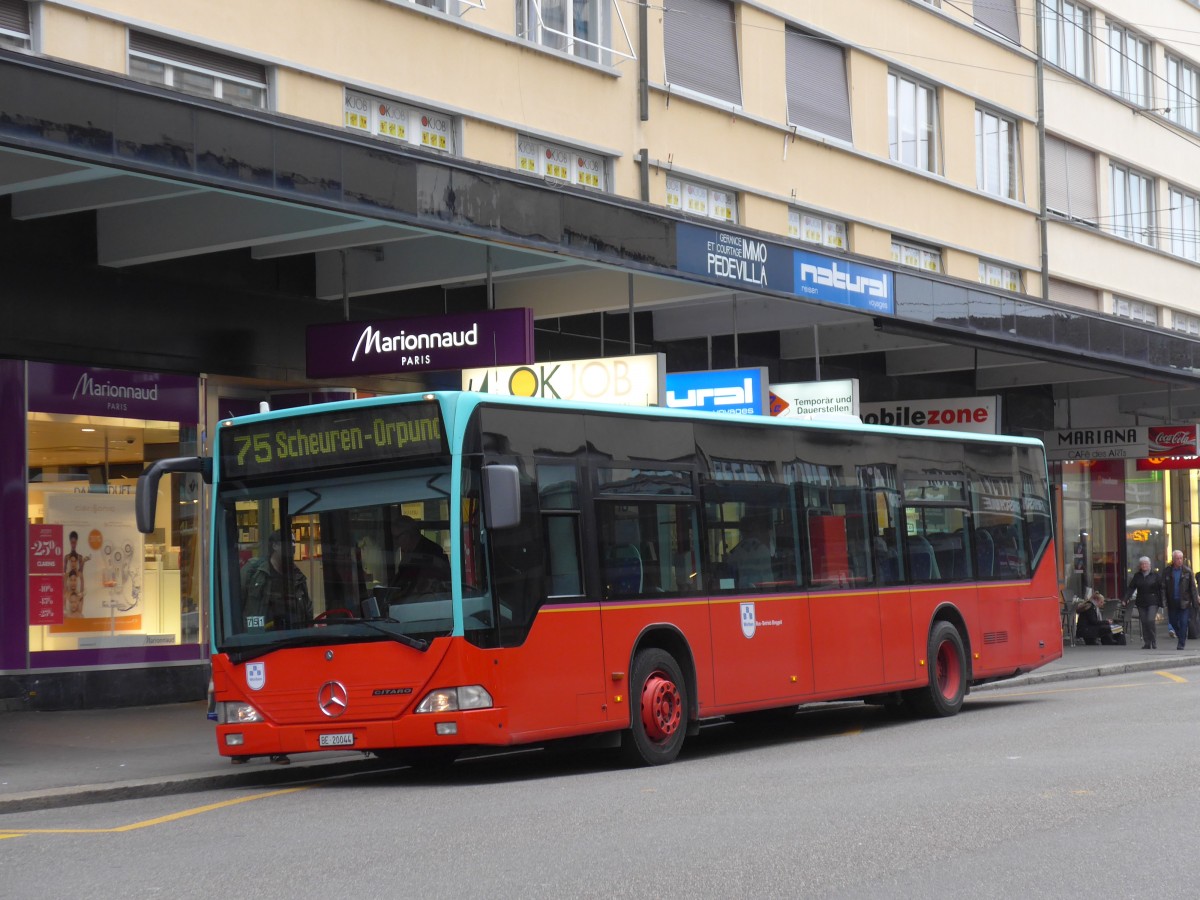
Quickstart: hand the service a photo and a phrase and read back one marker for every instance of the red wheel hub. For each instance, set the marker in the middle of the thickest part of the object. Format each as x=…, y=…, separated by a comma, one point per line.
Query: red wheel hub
x=949, y=670
x=661, y=712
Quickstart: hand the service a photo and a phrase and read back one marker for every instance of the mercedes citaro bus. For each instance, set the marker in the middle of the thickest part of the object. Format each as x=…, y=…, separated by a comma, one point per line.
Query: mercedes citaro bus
x=622, y=574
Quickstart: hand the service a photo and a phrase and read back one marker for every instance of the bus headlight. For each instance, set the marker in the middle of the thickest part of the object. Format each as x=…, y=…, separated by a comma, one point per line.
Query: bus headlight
x=471, y=696
x=237, y=714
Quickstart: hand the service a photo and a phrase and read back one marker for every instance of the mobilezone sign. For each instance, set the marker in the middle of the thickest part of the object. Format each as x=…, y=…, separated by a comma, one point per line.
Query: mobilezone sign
x=744, y=262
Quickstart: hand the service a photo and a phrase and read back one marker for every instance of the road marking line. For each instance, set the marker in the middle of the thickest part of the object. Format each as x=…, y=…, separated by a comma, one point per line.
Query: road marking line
x=1176, y=678
x=161, y=820
x=1107, y=687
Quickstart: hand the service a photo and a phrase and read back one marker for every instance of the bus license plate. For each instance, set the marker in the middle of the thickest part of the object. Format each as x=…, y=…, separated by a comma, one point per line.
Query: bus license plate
x=345, y=739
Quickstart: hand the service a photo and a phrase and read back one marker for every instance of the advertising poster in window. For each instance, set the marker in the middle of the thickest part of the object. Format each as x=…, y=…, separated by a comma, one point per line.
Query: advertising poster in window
x=102, y=562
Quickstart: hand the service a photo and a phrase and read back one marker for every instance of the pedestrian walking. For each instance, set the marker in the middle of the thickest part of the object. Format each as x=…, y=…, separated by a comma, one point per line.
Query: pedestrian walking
x=1180, y=585
x=1146, y=589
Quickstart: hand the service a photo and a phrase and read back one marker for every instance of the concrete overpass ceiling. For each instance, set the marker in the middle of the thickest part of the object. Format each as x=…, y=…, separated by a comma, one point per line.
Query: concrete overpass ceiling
x=143, y=219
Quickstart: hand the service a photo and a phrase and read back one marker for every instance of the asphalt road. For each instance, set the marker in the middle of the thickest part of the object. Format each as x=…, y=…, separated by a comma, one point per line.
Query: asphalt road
x=1074, y=789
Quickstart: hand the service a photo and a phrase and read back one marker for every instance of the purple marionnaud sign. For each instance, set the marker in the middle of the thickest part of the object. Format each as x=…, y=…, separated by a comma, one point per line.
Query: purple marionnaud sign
x=502, y=337
x=121, y=393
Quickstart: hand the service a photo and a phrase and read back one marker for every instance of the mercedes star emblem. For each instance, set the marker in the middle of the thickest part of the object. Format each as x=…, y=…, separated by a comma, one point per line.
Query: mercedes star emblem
x=332, y=698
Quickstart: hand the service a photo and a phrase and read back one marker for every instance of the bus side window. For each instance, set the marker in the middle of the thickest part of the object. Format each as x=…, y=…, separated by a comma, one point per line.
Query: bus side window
x=648, y=547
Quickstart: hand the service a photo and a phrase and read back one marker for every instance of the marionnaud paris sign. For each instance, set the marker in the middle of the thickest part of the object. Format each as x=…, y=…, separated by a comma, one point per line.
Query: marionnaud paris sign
x=748, y=263
x=740, y=392
x=501, y=337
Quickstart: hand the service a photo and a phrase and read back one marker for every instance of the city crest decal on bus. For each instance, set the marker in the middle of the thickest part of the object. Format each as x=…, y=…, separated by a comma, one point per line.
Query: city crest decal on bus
x=256, y=675
x=748, y=621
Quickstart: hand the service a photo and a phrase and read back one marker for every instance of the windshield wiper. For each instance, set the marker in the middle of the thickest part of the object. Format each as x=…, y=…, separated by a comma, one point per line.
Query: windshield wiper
x=243, y=654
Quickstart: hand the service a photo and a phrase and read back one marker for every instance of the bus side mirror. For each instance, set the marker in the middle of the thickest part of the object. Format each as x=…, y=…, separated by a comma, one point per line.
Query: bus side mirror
x=502, y=496
x=147, y=484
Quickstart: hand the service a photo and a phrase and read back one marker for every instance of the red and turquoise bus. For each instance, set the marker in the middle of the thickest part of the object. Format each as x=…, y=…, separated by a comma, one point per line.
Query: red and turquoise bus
x=613, y=573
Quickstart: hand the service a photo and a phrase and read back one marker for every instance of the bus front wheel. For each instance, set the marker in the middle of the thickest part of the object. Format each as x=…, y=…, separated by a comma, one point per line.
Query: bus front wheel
x=947, y=663
x=658, y=719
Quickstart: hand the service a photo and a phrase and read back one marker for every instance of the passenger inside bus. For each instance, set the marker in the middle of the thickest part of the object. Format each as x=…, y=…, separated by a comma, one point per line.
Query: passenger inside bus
x=422, y=567
x=274, y=590
x=751, y=558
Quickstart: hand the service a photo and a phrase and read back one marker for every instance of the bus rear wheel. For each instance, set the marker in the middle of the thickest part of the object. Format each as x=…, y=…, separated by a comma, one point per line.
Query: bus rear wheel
x=947, y=664
x=658, y=695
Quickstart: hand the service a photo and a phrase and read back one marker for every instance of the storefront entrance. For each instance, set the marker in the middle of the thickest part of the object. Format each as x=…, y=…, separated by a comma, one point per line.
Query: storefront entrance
x=1107, y=546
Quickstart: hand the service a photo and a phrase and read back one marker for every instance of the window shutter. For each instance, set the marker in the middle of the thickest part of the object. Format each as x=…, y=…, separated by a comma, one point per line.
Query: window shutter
x=701, y=48
x=197, y=57
x=1073, y=295
x=14, y=16
x=1071, y=180
x=817, y=95
x=1000, y=16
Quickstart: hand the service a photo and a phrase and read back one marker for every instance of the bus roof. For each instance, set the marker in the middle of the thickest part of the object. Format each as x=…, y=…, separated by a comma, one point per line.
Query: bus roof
x=458, y=405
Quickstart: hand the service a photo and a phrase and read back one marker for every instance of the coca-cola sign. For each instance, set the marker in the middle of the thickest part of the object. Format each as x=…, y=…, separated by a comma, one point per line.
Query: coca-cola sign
x=1171, y=440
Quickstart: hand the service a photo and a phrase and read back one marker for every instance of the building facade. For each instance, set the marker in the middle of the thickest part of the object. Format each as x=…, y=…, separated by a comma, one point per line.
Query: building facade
x=972, y=199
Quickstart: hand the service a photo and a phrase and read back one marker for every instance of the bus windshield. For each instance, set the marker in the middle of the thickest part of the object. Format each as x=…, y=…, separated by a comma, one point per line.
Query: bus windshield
x=323, y=560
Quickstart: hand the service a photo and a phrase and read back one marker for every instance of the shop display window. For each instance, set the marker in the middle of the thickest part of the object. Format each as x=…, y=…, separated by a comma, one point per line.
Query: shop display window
x=95, y=580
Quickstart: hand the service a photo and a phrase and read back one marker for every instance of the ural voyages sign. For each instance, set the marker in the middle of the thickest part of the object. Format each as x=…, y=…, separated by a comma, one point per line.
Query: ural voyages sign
x=734, y=259
x=430, y=343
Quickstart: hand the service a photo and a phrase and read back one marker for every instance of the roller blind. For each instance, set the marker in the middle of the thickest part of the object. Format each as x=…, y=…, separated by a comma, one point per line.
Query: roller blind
x=14, y=16
x=1071, y=180
x=197, y=57
x=700, y=41
x=1000, y=16
x=817, y=96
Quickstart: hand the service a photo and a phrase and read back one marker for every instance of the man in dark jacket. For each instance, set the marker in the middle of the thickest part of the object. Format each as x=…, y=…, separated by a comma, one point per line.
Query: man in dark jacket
x=1180, y=586
x=274, y=590
x=1146, y=589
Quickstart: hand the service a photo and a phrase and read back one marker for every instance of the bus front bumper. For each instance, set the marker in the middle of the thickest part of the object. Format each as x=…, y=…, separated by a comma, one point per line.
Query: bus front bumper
x=484, y=727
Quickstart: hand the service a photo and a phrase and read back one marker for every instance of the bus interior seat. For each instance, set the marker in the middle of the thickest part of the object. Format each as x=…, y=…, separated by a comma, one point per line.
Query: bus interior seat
x=624, y=564
x=985, y=555
x=922, y=562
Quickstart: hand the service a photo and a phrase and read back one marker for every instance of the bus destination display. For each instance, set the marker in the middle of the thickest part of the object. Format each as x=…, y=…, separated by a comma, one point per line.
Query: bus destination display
x=345, y=437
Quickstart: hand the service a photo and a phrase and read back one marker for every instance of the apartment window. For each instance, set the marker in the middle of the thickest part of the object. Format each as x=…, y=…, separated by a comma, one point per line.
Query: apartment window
x=1185, y=224
x=817, y=96
x=399, y=122
x=14, y=24
x=558, y=163
x=1071, y=181
x=1129, y=65
x=995, y=154
x=702, y=200
x=1137, y=310
x=196, y=71
x=701, y=48
x=1183, y=93
x=916, y=256
x=999, y=16
x=999, y=276
x=1132, y=205
x=582, y=28
x=814, y=229
x=1067, y=36
x=912, y=122
x=1185, y=323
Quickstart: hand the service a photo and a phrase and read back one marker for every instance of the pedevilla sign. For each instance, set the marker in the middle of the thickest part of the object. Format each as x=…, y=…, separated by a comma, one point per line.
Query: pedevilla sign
x=745, y=262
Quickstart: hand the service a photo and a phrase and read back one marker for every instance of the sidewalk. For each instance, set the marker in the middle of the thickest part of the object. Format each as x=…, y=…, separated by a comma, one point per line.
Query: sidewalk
x=56, y=759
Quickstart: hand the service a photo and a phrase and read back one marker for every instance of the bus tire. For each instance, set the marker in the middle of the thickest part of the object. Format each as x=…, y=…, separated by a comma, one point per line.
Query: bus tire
x=947, y=664
x=658, y=717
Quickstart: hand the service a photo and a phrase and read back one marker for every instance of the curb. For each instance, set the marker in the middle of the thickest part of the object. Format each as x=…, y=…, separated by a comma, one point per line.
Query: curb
x=81, y=795
x=1142, y=665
